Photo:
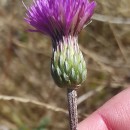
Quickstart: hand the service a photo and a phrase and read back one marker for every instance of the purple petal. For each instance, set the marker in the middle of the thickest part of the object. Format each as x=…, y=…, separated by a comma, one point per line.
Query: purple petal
x=58, y=18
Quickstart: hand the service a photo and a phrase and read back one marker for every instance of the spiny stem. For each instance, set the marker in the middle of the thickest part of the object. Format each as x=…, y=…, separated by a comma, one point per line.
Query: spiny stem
x=72, y=107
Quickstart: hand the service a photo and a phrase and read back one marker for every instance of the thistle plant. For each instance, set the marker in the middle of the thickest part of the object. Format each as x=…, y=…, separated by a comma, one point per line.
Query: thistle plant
x=63, y=20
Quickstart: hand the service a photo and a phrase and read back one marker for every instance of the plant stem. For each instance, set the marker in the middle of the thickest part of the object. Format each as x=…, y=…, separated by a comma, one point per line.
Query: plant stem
x=72, y=107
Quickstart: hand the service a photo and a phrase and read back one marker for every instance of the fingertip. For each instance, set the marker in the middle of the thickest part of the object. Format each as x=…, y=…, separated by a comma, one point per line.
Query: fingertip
x=94, y=122
x=115, y=114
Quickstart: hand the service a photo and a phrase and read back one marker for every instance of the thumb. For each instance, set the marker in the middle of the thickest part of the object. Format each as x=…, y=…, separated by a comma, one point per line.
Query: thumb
x=113, y=115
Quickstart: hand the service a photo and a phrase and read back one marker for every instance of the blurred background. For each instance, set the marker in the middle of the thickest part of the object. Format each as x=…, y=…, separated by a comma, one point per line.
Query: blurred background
x=29, y=99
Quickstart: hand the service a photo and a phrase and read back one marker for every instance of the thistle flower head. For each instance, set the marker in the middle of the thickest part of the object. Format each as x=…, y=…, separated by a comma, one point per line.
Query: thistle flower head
x=62, y=20
x=58, y=18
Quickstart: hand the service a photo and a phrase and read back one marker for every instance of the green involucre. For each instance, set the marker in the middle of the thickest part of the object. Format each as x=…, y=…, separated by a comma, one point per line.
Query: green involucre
x=68, y=67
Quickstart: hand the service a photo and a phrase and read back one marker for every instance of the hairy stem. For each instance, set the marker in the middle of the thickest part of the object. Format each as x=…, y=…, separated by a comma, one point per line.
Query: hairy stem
x=72, y=106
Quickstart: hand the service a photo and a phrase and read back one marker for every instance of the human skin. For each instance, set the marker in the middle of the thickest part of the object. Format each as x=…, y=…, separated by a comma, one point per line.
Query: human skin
x=113, y=115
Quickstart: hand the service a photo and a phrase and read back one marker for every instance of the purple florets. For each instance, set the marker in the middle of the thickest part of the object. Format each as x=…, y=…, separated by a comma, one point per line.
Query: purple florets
x=58, y=18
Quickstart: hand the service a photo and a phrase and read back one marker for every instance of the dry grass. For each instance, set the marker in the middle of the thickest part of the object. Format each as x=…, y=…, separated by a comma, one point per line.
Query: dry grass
x=25, y=67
